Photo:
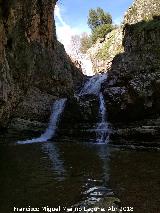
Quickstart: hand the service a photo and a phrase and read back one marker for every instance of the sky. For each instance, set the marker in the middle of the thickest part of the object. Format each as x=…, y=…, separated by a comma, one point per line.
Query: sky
x=71, y=15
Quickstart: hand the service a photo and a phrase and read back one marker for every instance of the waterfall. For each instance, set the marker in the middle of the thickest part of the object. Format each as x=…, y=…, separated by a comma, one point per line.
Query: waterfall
x=57, y=110
x=93, y=86
x=102, y=127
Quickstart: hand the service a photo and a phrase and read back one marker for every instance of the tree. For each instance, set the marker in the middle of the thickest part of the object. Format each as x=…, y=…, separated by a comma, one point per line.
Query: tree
x=101, y=31
x=98, y=17
x=86, y=43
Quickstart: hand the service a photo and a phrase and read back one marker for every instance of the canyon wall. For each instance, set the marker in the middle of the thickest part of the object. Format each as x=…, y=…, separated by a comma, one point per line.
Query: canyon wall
x=142, y=10
x=34, y=67
x=133, y=82
x=132, y=90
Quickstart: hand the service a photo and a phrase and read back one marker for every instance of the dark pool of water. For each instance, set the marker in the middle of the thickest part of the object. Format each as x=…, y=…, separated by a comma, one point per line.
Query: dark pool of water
x=60, y=173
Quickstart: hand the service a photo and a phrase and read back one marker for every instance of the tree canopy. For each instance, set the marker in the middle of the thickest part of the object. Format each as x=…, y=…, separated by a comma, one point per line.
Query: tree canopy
x=100, y=22
x=98, y=17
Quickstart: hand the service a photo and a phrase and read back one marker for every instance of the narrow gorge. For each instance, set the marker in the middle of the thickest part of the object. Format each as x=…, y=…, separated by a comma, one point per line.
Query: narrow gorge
x=68, y=141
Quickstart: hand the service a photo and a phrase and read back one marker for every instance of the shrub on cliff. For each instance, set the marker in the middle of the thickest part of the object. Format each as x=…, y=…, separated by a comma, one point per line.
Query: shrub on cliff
x=100, y=23
x=86, y=43
x=101, y=31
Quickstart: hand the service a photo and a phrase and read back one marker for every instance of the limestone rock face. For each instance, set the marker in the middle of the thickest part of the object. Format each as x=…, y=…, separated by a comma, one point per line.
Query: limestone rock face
x=142, y=10
x=131, y=90
x=80, y=117
x=103, y=52
x=31, y=57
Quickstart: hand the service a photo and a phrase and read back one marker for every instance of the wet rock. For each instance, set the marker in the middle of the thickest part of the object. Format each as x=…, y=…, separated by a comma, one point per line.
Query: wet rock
x=145, y=133
x=19, y=124
x=80, y=117
x=36, y=106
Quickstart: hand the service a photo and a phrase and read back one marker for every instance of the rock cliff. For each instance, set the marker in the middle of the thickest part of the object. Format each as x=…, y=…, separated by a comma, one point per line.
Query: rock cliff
x=34, y=68
x=142, y=10
x=131, y=56
x=132, y=90
x=103, y=52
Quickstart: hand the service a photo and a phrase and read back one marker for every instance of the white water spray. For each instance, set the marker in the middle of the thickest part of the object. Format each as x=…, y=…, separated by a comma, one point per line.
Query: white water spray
x=93, y=86
x=57, y=110
x=102, y=127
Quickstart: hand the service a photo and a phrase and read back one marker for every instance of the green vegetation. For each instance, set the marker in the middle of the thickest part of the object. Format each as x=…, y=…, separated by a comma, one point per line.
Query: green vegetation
x=111, y=47
x=100, y=23
x=101, y=31
x=103, y=53
x=86, y=42
x=146, y=25
x=98, y=17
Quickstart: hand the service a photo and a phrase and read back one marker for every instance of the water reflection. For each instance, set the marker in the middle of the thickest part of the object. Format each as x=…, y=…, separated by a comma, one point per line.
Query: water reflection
x=104, y=154
x=135, y=177
x=74, y=173
x=57, y=164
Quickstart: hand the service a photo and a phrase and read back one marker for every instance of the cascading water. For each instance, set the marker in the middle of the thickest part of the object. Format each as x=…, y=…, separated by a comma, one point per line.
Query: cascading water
x=102, y=127
x=57, y=110
x=93, y=86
